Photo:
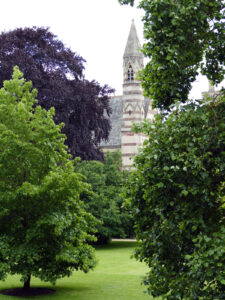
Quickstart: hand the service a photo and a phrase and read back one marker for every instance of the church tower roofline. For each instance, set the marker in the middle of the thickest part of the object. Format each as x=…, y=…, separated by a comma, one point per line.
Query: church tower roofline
x=133, y=45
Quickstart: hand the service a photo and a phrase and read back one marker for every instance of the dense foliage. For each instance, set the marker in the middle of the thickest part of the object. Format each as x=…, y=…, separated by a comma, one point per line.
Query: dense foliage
x=106, y=202
x=43, y=229
x=57, y=73
x=179, y=34
x=177, y=190
x=177, y=195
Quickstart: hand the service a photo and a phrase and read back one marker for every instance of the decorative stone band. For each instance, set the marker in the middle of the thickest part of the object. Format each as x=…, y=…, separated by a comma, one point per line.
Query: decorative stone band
x=132, y=134
x=131, y=109
x=132, y=119
x=127, y=126
x=129, y=144
x=129, y=154
x=128, y=133
x=132, y=112
x=132, y=83
x=133, y=92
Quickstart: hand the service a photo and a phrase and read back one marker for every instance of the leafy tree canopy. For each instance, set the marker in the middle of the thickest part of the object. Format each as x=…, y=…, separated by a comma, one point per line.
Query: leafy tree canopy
x=106, y=202
x=182, y=36
x=57, y=73
x=43, y=229
x=177, y=191
x=177, y=195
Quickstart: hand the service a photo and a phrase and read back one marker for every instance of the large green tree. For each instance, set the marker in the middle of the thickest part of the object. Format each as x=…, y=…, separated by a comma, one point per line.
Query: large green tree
x=177, y=195
x=44, y=232
x=177, y=191
x=182, y=37
x=106, y=201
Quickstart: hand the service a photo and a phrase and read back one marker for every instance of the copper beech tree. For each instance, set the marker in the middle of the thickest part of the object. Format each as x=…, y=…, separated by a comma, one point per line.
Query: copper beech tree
x=57, y=73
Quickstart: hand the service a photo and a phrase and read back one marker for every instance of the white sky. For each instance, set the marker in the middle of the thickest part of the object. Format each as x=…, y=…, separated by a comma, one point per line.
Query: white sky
x=95, y=29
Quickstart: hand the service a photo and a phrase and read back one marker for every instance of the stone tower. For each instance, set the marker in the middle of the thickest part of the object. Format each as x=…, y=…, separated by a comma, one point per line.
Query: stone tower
x=134, y=103
x=129, y=108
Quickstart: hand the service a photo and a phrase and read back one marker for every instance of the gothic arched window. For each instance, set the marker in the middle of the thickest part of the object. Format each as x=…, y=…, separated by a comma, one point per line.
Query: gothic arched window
x=130, y=73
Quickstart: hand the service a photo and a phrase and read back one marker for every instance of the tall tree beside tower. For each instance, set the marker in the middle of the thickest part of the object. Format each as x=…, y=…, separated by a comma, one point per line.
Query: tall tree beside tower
x=57, y=73
x=177, y=191
x=179, y=34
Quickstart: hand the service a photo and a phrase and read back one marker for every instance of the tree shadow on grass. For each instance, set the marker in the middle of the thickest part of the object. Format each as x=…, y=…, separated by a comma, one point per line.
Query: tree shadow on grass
x=43, y=291
x=34, y=291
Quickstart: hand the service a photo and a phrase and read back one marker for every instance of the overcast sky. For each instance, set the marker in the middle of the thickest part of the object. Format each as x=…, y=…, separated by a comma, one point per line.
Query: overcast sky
x=95, y=29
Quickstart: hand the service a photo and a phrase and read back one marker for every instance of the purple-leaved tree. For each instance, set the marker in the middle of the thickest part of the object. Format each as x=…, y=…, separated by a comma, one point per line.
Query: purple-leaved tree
x=57, y=74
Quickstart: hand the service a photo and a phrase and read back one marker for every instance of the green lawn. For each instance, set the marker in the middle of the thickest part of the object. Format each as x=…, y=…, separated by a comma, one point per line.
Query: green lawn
x=116, y=277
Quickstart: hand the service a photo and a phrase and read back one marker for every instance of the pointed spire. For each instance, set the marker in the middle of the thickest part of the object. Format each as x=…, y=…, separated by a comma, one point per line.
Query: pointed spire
x=133, y=45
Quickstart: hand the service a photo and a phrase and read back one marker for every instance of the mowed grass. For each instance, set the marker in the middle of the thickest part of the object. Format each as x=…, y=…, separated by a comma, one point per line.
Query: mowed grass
x=116, y=277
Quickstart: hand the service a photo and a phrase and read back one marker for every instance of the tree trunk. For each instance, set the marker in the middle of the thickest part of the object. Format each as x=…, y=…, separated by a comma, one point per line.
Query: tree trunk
x=26, y=285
